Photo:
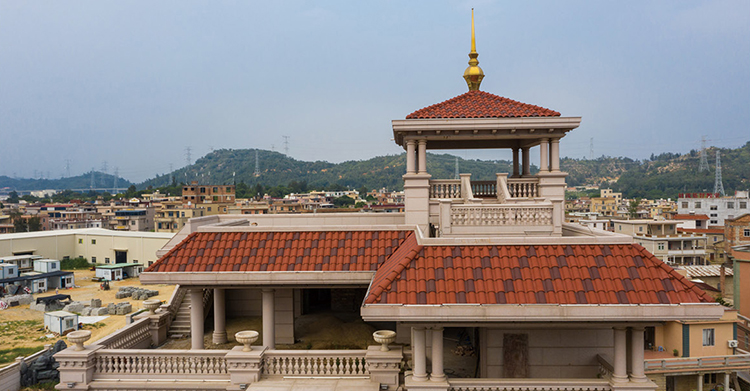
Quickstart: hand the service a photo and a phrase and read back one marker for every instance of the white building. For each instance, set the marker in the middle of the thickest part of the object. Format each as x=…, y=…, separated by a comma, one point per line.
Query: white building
x=716, y=207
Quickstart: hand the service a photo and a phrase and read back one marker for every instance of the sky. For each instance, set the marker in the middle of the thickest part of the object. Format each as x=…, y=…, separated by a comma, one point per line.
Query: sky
x=134, y=84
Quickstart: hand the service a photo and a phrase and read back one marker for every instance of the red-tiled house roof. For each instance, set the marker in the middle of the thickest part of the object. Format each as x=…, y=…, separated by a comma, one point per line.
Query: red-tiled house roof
x=480, y=104
x=690, y=217
x=547, y=274
x=281, y=251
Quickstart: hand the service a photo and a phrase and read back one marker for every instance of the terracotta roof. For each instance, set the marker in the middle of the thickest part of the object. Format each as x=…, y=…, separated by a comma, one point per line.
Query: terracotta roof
x=690, y=217
x=281, y=251
x=548, y=274
x=480, y=104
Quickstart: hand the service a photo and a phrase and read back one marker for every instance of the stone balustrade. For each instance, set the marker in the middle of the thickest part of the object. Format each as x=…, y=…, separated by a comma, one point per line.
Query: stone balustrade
x=157, y=363
x=523, y=187
x=134, y=335
x=445, y=188
x=338, y=363
x=529, y=385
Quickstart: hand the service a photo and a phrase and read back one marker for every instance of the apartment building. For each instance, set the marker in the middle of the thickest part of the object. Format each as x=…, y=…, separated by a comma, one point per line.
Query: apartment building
x=660, y=237
x=717, y=208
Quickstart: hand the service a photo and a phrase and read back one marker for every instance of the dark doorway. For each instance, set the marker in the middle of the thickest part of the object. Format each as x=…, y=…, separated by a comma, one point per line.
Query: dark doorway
x=121, y=256
x=316, y=300
x=649, y=338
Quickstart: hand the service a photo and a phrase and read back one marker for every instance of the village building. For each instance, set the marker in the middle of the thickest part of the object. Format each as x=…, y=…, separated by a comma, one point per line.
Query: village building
x=535, y=302
x=717, y=208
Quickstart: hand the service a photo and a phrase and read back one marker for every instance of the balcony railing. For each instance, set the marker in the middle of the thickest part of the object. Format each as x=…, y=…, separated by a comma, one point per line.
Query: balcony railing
x=116, y=364
x=529, y=385
x=687, y=364
x=500, y=215
x=523, y=187
x=445, y=188
x=133, y=335
x=516, y=187
x=340, y=363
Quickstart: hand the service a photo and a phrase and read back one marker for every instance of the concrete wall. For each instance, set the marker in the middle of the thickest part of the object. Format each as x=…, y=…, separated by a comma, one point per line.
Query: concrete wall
x=552, y=353
x=141, y=246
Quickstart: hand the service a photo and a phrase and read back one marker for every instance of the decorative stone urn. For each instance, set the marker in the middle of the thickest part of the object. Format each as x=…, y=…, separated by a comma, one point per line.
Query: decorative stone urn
x=151, y=305
x=246, y=337
x=384, y=337
x=78, y=338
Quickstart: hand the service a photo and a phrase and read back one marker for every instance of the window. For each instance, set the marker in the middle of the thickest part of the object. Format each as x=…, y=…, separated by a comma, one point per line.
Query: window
x=68, y=323
x=640, y=229
x=209, y=208
x=714, y=207
x=93, y=241
x=746, y=233
x=80, y=241
x=106, y=260
x=730, y=205
x=93, y=259
x=684, y=205
x=698, y=205
x=52, y=266
x=709, y=378
x=743, y=205
x=229, y=188
x=714, y=215
x=661, y=246
x=708, y=337
x=132, y=222
x=714, y=222
x=66, y=257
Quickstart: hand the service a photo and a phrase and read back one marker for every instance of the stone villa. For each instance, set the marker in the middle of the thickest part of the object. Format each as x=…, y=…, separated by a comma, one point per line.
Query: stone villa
x=546, y=305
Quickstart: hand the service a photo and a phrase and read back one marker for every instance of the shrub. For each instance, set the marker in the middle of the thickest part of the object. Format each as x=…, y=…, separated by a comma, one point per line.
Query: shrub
x=75, y=264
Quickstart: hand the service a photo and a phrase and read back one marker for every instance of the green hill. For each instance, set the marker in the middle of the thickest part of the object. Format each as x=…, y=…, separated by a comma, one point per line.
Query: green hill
x=83, y=181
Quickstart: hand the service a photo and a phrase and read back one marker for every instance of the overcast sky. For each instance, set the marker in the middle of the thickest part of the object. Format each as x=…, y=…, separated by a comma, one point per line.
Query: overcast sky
x=134, y=83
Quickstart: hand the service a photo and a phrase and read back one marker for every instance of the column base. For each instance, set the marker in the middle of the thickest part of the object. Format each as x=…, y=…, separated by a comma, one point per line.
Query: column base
x=220, y=337
x=638, y=379
x=425, y=385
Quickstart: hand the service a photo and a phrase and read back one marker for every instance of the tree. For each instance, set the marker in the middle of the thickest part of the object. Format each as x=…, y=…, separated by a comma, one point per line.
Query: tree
x=35, y=224
x=343, y=202
x=131, y=192
x=633, y=207
x=13, y=197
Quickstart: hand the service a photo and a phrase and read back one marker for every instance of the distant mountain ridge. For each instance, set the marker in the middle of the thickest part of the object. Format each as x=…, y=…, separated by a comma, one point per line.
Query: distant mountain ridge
x=80, y=182
x=662, y=176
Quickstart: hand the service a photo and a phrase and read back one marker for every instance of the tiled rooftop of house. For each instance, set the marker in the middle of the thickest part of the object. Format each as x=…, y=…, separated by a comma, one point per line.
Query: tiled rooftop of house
x=547, y=274
x=480, y=104
x=698, y=271
x=281, y=251
x=690, y=217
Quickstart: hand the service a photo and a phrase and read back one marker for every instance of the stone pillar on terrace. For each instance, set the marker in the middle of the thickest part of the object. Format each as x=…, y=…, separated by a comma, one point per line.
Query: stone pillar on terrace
x=438, y=375
x=196, y=318
x=544, y=155
x=620, y=360
x=385, y=367
x=417, y=185
x=699, y=382
x=515, y=163
x=554, y=155
x=244, y=367
x=220, y=317
x=636, y=355
x=269, y=322
x=77, y=367
x=411, y=157
x=419, y=354
x=422, y=156
x=526, y=162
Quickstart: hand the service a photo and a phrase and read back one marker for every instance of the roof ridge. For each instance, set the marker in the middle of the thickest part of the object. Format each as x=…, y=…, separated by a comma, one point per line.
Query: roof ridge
x=393, y=266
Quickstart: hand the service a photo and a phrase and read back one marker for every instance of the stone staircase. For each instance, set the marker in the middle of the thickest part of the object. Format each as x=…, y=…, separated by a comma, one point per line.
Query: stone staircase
x=180, y=327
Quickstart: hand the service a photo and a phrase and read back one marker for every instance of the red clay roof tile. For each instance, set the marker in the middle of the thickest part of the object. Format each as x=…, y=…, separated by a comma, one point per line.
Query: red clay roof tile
x=553, y=274
x=480, y=104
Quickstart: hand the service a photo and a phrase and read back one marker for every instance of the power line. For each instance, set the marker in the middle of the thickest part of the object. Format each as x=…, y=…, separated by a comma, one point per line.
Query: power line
x=286, y=145
x=591, y=149
x=456, y=174
x=114, y=186
x=257, y=165
x=188, y=157
x=67, y=168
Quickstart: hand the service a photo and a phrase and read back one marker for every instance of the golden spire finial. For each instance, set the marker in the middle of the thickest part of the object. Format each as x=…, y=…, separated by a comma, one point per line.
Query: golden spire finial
x=473, y=74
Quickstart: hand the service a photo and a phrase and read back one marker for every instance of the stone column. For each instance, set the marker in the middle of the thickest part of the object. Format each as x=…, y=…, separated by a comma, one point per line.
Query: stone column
x=636, y=355
x=437, y=355
x=699, y=385
x=726, y=381
x=544, y=155
x=196, y=318
x=526, y=163
x=419, y=354
x=515, y=163
x=220, y=317
x=620, y=364
x=269, y=322
x=554, y=155
x=410, y=157
x=422, y=153
x=385, y=367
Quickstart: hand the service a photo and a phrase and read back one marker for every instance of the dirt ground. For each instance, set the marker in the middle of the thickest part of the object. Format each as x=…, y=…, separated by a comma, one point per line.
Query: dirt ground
x=316, y=331
x=19, y=332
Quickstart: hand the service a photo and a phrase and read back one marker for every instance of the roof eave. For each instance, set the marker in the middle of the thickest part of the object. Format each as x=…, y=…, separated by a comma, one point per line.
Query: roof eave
x=258, y=278
x=503, y=127
x=541, y=312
